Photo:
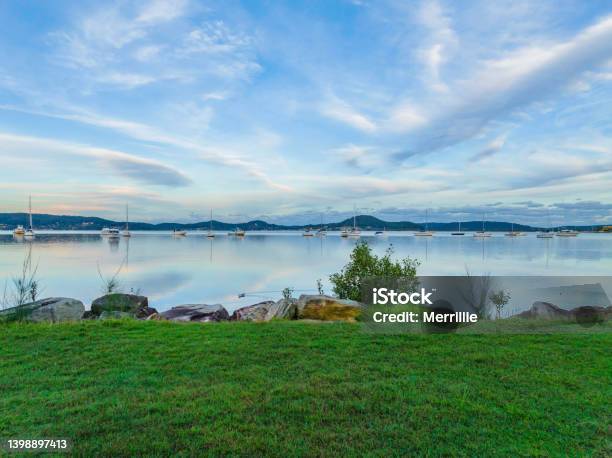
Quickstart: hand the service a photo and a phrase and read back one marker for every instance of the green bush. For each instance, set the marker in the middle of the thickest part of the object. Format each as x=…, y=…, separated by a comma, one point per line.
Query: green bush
x=364, y=264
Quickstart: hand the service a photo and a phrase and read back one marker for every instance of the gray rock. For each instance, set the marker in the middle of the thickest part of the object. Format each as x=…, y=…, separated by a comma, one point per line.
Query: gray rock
x=115, y=315
x=255, y=312
x=283, y=309
x=196, y=312
x=327, y=308
x=548, y=311
x=137, y=306
x=53, y=309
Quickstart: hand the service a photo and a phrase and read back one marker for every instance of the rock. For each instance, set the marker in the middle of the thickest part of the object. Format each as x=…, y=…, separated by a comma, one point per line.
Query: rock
x=53, y=309
x=89, y=315
x=255, y=312
x=327, y=308
x=114, y=315
x=285, y=309
x=582, y=314
x=196, y=312
x=137, y=306
x=547, y=311
x=154, y=317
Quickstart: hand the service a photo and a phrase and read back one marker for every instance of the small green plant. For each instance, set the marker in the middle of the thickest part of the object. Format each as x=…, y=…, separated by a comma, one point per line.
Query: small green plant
x=499, y=299
x=110, y=284
x=364, y=264
x=320, y=287
x=26, y=285
x=287, y=293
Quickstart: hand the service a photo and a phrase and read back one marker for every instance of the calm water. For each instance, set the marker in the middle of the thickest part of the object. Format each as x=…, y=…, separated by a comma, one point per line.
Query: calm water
x=171, y=270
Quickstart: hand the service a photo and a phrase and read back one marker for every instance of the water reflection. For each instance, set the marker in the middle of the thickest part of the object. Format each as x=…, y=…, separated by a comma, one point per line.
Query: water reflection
x=173, y=270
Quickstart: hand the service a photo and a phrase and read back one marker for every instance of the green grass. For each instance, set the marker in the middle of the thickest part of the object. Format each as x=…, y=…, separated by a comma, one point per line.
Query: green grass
x=129, y=388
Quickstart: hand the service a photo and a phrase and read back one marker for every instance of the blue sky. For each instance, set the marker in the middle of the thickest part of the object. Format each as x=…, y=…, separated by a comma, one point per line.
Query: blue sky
x=287, y=110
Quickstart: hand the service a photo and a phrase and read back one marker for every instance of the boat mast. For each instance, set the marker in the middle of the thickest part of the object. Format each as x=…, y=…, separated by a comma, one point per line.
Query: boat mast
x=30, y=212
x=210, y=230
x=354, y=217
x=127, y=218
x=426, y=218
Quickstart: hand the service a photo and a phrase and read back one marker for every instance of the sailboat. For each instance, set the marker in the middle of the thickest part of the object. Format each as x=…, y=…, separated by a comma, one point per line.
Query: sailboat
x=211, y=234
x=459, y=232
x=30, y=231
x=307, y=233
x=179, y=232
x=381, y=233
x=547, y=234
x=425, y=232
x=513, y=233
x=321, y=232
x=126, y=232
x=482, y=233
x=354, y=232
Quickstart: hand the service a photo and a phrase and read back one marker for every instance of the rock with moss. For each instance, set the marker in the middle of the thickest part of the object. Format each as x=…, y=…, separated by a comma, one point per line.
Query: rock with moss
x=114, y=315
x=196, y=313
x=327, y=308
x=285, y=309
x=51, y=309
x=136, y=306
x=255, y=312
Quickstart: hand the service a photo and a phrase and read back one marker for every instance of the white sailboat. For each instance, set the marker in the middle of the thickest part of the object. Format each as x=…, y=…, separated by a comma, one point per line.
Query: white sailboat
x=30, y=230
x=425, y=232
x=321, y=232
x=513, y=233
x=547, y=234
x=126, y=232
x=308, y=233
x=355, y=231
x=483, y=233
x=179, y=232
x=211, y=234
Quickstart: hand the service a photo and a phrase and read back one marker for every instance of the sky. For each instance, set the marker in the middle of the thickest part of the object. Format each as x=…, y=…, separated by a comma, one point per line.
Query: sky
x=296, y=111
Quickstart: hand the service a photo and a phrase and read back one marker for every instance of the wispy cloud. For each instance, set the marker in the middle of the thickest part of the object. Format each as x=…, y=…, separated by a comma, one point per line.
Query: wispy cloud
x=339, y=110
x=516, y=80
x=140, y=169
x=492, y=148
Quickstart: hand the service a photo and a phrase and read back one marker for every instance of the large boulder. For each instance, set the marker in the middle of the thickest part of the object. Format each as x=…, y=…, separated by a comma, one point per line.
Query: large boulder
x=255, y=312
x=548, y=311
x=284, y=309
x=136, y=306
x=327, y=308
x=53, y=309
x=196, y=312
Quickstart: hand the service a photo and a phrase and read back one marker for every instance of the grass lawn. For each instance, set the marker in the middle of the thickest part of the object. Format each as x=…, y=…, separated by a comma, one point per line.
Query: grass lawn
x=120, y=388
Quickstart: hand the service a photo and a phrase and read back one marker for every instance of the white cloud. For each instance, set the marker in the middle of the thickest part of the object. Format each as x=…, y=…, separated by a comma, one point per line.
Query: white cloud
x=516, y=80
x=340, y=110
x=441, y=41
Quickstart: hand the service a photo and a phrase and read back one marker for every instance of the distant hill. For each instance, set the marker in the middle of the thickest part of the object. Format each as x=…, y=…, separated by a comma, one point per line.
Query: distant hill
x=365, y=222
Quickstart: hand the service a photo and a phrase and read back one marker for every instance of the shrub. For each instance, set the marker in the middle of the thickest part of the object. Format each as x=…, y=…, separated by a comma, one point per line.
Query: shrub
x=364, y=264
